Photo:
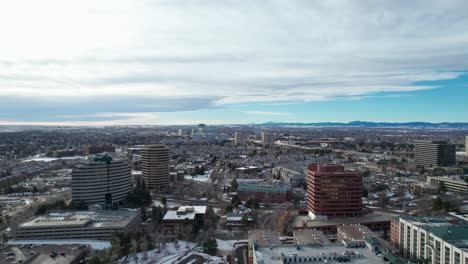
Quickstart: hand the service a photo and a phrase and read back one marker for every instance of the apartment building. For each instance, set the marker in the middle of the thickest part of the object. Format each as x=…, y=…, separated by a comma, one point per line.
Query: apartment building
x=440, y=240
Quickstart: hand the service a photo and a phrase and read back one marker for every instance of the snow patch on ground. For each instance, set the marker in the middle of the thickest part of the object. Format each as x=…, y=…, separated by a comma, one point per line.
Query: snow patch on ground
x=226, y=245
x=199, y=178
x=166, y=253
x=171, y=253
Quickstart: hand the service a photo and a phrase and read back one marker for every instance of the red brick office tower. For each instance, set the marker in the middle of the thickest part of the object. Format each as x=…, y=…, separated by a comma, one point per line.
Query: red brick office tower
x=333, y=193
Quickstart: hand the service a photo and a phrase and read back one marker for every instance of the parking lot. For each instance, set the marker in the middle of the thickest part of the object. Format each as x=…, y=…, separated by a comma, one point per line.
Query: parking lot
x=43, y=254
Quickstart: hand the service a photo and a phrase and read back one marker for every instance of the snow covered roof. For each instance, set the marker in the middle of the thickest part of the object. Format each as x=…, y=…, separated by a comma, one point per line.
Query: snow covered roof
x=185, y=212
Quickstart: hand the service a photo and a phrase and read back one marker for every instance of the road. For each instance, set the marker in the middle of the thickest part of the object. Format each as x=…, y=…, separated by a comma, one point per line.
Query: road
x=18, y=254
x=25, y=213
x=241, y=254
x=357, y=153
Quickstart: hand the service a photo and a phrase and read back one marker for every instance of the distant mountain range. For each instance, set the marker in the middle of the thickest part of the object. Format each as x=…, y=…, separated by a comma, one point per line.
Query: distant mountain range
x=456, y=125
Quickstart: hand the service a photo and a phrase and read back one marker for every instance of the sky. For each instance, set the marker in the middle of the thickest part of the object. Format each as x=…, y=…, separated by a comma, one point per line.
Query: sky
x=161, y=62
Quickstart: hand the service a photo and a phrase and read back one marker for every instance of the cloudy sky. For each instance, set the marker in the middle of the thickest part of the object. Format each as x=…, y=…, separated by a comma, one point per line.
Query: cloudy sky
x=219, y=62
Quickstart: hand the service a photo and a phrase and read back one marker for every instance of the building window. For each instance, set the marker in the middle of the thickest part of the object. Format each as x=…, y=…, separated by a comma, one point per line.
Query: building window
x=422, y=245
x=414, y=251
x=447, y=255
x=408, y=240
x=437, y=253
x=457, y=258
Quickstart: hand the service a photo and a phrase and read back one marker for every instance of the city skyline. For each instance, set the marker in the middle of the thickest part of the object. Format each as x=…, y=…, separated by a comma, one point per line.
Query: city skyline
x=234, y=132
x=226, y=62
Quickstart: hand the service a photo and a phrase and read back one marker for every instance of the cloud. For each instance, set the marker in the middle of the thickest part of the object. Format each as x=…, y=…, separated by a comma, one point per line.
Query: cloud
x=165, y=56
x=267, y=113
x=115, y=116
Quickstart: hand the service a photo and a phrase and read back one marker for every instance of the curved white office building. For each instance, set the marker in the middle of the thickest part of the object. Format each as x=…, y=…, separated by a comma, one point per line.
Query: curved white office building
x=101, y=180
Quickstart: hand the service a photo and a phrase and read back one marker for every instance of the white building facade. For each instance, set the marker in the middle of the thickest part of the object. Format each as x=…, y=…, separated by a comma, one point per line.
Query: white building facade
x=435, y=240
x=101, y=182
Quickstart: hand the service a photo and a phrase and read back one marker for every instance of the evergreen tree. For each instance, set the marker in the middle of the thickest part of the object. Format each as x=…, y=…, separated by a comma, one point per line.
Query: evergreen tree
x=143, y=213
x=245, y=220
x=437, y=204
x=157, y=214
x=252, y=203
x=234, y=185
x=229, y=209
x=235, y=201
x=211, y=218
x=210, y=246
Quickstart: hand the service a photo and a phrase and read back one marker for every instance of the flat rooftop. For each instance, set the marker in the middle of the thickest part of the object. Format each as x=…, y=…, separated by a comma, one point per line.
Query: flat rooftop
x=46, y=221
x=355, y=232
x=273, y=255
x=264, y=238
x=264, y=187
x=310, y=237
x=303, y=221
x=454, y=234
x=185, y=212
x=431, y=221
x=103, y=219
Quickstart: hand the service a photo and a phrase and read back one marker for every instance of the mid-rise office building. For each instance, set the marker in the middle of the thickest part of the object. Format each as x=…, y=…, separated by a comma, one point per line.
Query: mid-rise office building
x=222, y=137
x=378, y=222
x=249, y=170
x=240, y=138
x=202, y=128
x=268, y=139
x=85, y=225
x=265, y=193
x=295, y=178
x=95, y=149
x=101, y=180
x=65, y=153
x=333, y=192
x=439, y=240
x=434, y=153
x=449, y=183
x=355, y=235
x=309, y=247
x=155, y=166
x=180, y=222
x=198, y=137
x=183, y=132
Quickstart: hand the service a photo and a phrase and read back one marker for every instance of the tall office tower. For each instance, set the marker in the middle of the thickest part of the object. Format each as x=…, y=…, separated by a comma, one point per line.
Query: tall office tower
x=240, y=138
x=201, y=128
x=183, y=132
x=434, y=153
x=155, y=166
x=101, y=180
x=268, y=139
x=466, y=145
x=333, y=192
x=180, y=132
